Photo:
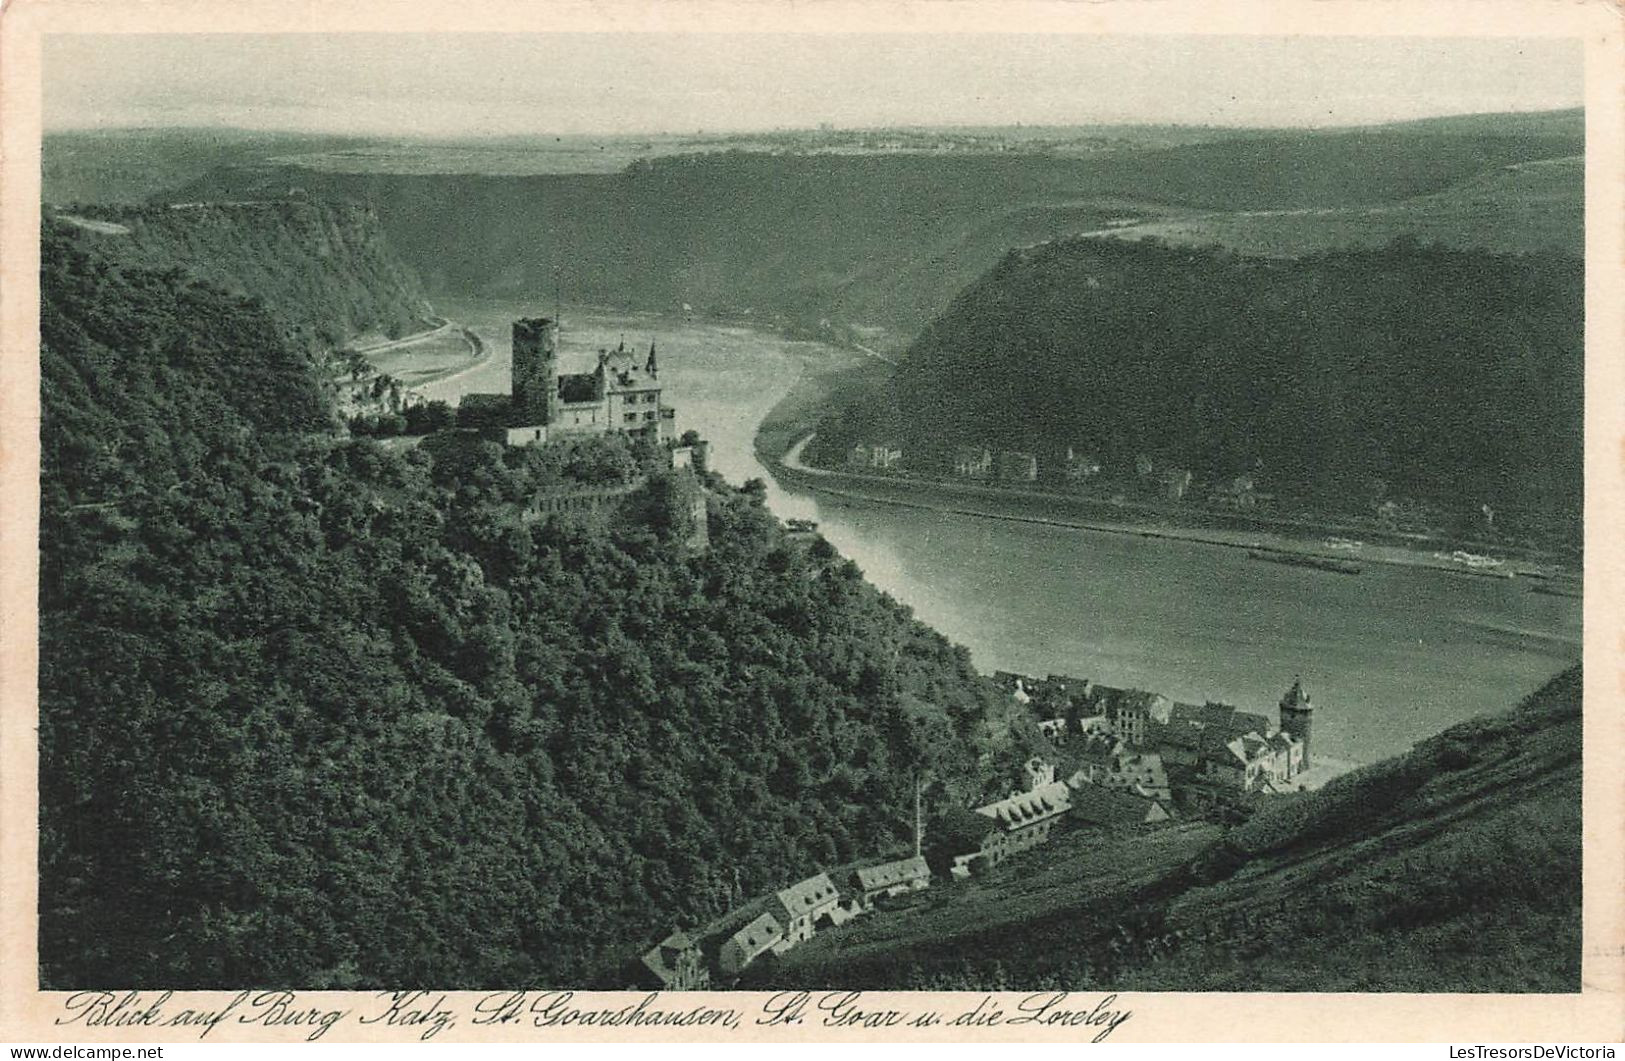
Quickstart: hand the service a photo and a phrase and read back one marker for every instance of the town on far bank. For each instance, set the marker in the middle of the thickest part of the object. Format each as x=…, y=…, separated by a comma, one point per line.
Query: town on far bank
x=1390, y=528
x=1121, y=762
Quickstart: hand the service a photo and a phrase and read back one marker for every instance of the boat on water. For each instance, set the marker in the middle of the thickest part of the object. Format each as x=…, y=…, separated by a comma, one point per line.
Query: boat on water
x=1318, y=563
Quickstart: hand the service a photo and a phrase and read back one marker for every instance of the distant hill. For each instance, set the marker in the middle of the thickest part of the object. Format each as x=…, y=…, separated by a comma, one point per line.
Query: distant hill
x=1566, y=125
x=1454, y=378
x=131, y=165
x=1321, y=169
x=888, y=239
x=882, y=239
x=1455, y=867
x=325, y=269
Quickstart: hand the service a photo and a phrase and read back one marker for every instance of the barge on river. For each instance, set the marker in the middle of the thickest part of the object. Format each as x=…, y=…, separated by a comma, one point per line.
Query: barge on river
x=1318, y=563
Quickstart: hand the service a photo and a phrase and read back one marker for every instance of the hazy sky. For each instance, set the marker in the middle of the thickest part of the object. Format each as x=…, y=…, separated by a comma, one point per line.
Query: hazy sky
x=501, y=84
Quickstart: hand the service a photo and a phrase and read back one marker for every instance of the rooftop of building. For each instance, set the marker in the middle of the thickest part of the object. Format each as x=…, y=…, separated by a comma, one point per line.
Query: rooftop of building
x=888, y=874
x=1027, y=808
x=1104, y=806
x=661, y=958
x=759, y=933
x=807, y=895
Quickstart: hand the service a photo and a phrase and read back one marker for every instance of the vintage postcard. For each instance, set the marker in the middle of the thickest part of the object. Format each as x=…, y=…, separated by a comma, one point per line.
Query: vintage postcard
x=1071, y=522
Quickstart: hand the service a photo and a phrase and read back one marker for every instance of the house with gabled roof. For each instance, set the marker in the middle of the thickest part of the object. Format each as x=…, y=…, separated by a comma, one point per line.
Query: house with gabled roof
x=674, y=964
x=1132, y=712
x=1246, y=762
x=1015, y=466
x=1106, y=808
x=799, y=907
x=973, y=462
x=1194, y=732
x=890, y=878
x=750, y=943
x=1023, y=820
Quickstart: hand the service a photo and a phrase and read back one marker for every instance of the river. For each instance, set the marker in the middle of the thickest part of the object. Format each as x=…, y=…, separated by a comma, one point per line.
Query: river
x=1390, y=656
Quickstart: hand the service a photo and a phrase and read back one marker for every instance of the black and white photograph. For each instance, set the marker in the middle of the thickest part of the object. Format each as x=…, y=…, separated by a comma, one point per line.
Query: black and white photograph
x=1024, y=514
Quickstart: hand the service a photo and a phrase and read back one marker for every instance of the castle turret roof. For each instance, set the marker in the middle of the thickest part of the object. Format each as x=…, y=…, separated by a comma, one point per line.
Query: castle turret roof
x=1295, y=696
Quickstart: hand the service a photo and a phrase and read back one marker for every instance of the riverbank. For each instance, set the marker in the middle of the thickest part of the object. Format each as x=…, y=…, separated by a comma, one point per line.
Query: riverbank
x=1059, y=510
x=1394, y=654
x=438, y=355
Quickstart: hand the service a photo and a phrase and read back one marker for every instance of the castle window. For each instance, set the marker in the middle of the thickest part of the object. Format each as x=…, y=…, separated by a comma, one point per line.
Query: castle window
x=648, y=416
x=630, y=417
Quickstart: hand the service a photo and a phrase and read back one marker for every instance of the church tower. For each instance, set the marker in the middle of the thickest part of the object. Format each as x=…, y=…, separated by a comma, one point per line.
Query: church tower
x=1296, y=715
x=535, y=370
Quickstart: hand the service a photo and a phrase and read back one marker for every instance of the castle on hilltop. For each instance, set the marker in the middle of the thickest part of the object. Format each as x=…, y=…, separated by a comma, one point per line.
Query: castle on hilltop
x=620, y=394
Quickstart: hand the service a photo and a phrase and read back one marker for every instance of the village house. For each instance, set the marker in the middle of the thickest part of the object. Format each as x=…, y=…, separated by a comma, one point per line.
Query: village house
x=1011, y=682
x=1131, y=712
x=1114, y=809
x=1182, y=743
x=1081, y=466
x=890, y=878
x=1194, y=731
x=1139, y=772
x=885, y=456
x=1175, y=482
x=1017, y=467
x=1255, y=763
x=1243, y=763
x=749, y=943
x=1239, y=493
x=1109, y=762
x=674, y=964
x=1057, y=692
x=1144, y=466
x=1286, y=758
x=1261, y=756
x=1022, y=821
x=973, y=462
x=799, y=907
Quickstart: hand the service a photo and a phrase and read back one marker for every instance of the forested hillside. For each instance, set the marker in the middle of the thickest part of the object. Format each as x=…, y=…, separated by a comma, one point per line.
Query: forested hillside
x=324, y=269
x=317, y=714
x=1452, y=378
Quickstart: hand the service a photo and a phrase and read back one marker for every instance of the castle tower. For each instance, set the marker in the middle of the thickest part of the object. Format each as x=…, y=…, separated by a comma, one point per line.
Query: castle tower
x=536, y=370
x=1296, y=714
x=652, y=366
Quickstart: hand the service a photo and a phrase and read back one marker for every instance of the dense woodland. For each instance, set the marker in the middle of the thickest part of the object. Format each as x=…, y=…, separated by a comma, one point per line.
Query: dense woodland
x=1445, y=377
x=322, y=268
x=314, y=713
